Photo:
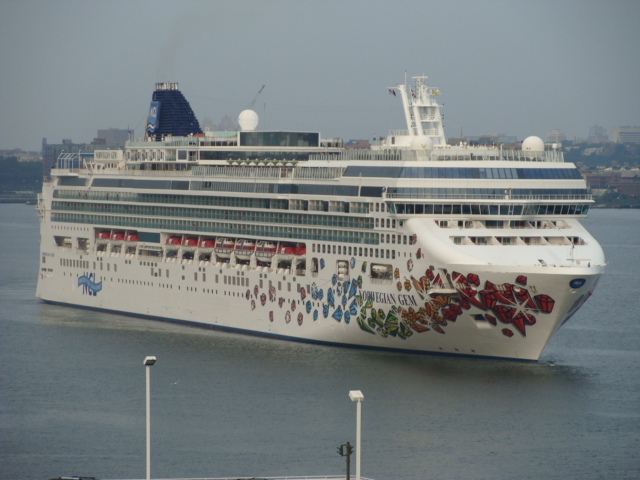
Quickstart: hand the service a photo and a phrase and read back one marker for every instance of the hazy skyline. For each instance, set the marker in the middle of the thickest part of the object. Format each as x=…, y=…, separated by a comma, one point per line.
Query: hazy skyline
x=69, y=68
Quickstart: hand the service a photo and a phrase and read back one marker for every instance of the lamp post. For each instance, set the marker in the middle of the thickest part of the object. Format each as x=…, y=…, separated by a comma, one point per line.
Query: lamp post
x=148, y=361
x=357, y=396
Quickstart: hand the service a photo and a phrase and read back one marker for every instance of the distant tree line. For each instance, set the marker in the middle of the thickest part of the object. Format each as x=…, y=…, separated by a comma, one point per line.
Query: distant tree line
x=609, y=154
x=19, y=176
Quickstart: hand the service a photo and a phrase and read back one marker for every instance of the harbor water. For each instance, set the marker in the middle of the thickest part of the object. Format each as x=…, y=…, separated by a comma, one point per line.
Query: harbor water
x=72, y=391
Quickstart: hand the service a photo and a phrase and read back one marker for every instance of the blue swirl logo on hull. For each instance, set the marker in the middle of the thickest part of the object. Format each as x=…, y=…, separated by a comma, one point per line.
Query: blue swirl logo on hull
x=577, y=283
x=88, y=284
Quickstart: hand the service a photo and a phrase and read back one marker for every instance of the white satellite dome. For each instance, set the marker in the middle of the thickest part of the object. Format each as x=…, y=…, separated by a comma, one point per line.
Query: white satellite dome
x=248, y=120
x=533, y=144
x=421, y=142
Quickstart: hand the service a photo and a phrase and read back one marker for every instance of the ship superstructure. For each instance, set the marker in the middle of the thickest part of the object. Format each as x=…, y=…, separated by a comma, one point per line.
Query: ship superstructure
x=413, y=245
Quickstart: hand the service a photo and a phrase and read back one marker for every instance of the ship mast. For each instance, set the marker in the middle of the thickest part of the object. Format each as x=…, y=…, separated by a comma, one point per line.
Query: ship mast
x=421, y=111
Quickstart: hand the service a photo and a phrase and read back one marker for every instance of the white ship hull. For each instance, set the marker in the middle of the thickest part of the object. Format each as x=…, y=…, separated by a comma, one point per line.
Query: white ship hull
x=390, y=314
x=414, y=245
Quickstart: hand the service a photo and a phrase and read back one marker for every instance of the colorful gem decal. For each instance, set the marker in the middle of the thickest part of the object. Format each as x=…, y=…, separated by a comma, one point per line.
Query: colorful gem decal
x=431, y=301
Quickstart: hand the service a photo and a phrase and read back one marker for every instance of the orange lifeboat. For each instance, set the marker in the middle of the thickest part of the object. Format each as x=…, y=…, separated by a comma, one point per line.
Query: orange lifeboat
x=173, y=240
x=190, y=242
x=287, y=251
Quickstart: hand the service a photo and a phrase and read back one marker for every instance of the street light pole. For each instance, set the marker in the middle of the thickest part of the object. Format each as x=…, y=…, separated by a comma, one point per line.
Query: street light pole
x=148, y=361
x=357, y=396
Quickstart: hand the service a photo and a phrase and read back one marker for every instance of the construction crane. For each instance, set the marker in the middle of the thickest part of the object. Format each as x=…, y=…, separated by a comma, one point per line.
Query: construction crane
x=256, y=97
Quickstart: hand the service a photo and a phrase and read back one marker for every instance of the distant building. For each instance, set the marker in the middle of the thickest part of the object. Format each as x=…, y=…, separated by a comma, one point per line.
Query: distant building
x=625, y=181
x=492, y=139
x=625, y=134
x=597, y=134
x=112, y=136
x=556, y=136
x=21, y=155
x=358, y=144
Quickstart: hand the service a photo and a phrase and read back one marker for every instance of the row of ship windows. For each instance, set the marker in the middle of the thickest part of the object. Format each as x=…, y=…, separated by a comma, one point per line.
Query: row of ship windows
x=238, y=202
x=73, y=263
x=490, y=193
x=222, y=228
x=328, y=220
x=518, y=224
x=355, y=251
x=305, y=205
x=518, y=240
x=463, y=209
x=343, y=221
x=324, y=190
x=453, y=172
x=83, y=264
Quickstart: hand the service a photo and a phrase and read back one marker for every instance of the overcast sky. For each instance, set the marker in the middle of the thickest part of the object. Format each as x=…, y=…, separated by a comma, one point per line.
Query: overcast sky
x=519, y=67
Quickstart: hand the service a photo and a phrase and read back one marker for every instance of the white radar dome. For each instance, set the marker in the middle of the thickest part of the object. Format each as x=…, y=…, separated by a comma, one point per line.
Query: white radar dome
x=248, y=120
x=533, y=144
x=421, y=142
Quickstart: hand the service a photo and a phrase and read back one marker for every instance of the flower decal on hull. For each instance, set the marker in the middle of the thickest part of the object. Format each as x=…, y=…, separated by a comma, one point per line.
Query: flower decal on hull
x=421, y=303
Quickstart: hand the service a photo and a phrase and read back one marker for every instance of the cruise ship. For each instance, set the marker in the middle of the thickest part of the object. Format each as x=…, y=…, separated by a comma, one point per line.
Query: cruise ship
x=412, y=245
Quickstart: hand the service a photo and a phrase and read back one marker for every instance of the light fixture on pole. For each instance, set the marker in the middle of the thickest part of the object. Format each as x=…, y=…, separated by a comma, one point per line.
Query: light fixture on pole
x=148, y=361
x=357, y=396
